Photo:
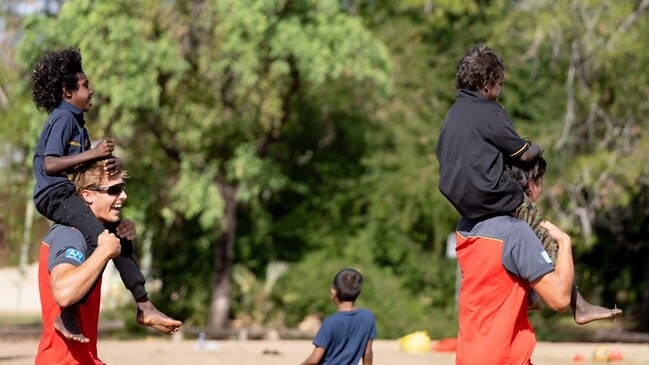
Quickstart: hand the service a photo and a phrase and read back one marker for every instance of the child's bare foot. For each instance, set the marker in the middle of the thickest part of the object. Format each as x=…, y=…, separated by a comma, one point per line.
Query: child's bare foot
x=588, y=312
x=66, y=324
x=585, y=312
x=149, y=315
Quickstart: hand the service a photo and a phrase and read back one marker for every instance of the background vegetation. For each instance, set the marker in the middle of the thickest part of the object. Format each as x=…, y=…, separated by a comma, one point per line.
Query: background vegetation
x=302, y=133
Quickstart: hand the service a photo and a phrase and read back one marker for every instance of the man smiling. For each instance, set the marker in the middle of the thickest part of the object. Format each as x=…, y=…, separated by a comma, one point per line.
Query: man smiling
x=67, y=271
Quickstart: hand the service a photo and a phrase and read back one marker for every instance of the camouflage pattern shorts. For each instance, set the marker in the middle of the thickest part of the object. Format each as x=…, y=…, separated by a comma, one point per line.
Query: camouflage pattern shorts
x=529, y=213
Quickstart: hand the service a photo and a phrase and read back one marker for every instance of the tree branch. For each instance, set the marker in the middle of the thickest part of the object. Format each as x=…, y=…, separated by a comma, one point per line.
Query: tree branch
x=633, y=17
x=570, y=95
x=270, y=137
x=4, y=101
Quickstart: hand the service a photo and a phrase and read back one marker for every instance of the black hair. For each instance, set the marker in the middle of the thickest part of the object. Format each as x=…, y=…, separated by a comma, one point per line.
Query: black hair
x=479, y=67
x=55, y=71
x=524, y=172
x=347, y=284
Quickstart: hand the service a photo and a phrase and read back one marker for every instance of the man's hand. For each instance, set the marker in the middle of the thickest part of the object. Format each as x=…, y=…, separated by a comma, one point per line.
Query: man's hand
x=108, y=244
x=554, y=232
x=126, y=229
x=104, y=148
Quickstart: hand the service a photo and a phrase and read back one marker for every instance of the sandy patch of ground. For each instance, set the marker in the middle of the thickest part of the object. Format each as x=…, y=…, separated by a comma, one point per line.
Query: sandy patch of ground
x=161, y=351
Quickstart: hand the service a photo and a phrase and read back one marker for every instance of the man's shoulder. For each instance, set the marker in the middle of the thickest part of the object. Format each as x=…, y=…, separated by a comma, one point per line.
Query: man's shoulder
x=498, y=227
x=61, y=234
x=66, y=245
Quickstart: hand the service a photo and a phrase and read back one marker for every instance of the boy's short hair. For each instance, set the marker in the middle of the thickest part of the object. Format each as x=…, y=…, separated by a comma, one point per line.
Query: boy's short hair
x=90, y=176
x=479, y=67
x=347, y=284
x=53, y=72
x=524, y=172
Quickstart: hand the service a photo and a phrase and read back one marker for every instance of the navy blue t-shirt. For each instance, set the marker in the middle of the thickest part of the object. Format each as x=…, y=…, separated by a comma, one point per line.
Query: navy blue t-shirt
x=344, y=336
x=476, y=138
x=64, y=134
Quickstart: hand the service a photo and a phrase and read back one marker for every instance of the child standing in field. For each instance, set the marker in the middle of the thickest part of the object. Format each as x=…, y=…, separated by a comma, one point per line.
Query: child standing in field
x=60, y=86
x=346, y=336
x=476, y=141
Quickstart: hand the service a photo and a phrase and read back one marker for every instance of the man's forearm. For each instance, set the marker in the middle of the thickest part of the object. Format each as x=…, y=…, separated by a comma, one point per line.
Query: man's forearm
x=555, y=287
x=564, y=267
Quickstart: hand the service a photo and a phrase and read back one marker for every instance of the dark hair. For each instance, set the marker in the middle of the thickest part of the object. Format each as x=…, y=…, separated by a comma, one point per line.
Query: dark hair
x=53, y=72
x=479, y=67
x=347, y=284
x=523, y=172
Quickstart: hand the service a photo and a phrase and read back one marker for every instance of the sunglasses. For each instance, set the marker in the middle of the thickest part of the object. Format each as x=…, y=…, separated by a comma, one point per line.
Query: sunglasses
x=115, y=190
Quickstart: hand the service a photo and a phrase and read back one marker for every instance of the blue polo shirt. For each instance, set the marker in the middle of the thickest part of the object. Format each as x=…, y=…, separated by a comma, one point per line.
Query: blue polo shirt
x=64, y=134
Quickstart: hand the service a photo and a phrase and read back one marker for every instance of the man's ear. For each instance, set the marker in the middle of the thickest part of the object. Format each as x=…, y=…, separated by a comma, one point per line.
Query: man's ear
x=88, y=196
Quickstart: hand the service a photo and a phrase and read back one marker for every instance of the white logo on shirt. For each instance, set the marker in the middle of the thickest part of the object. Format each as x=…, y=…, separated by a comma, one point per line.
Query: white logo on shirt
x=546, y=257
x=73, y=254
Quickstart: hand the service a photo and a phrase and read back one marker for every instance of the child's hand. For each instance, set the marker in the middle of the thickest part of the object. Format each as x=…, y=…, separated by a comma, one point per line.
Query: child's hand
x=113, y=165
x=126, y=229
x=104, y=148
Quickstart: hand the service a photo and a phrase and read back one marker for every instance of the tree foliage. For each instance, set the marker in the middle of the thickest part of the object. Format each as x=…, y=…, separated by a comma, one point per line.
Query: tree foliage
x=304, y=131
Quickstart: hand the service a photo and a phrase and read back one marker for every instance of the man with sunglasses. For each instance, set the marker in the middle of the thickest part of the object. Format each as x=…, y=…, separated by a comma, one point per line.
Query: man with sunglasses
x=68, y=270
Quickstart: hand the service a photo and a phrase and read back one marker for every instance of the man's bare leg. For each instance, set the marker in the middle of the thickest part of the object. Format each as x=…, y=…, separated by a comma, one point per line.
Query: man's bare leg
x=585, y=312
x=66, y=324
x=149, y=315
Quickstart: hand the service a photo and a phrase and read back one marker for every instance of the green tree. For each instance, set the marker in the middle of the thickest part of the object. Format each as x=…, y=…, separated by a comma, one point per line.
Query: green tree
x=580, y=90
x=199, y=92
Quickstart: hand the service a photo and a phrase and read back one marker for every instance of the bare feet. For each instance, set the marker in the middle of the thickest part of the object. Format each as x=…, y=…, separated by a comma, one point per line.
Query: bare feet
x=585, y=312
x=66, y=324
x=148, y=315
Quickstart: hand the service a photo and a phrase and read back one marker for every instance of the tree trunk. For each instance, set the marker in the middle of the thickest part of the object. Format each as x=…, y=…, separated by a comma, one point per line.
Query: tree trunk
x=223, y=257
